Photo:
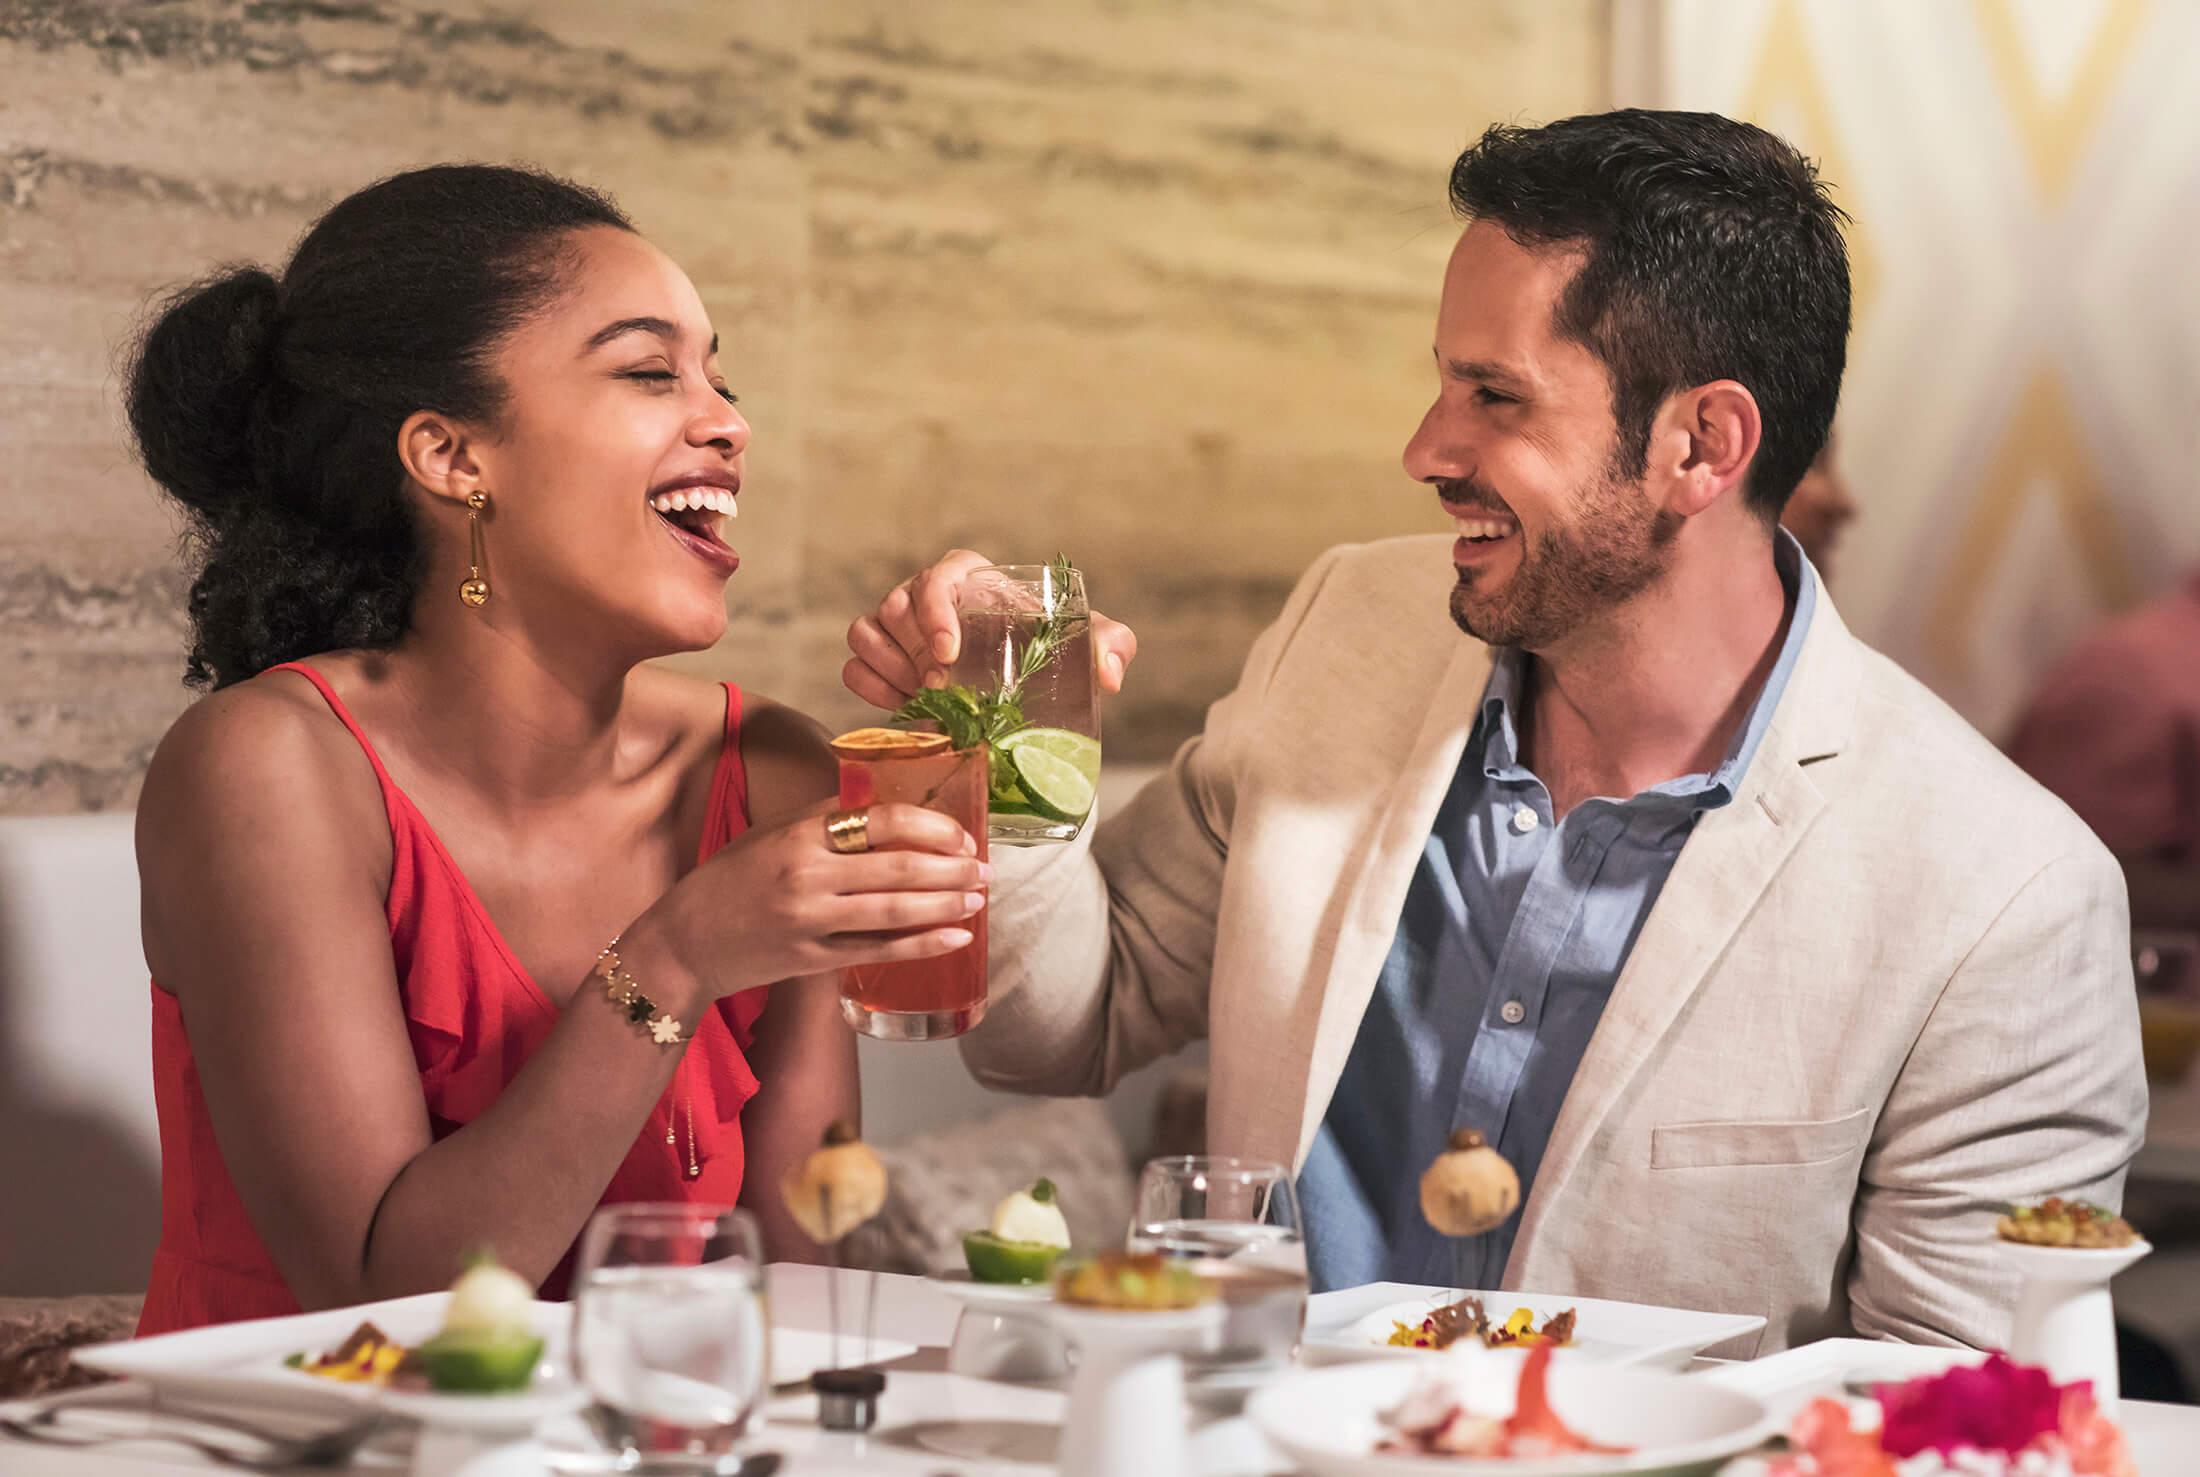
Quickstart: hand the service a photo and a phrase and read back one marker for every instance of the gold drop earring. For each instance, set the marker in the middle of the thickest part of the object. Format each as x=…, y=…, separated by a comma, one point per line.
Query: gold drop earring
x=475, y=591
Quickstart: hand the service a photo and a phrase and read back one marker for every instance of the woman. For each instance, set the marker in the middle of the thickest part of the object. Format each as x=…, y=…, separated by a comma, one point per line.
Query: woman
x=451, y=481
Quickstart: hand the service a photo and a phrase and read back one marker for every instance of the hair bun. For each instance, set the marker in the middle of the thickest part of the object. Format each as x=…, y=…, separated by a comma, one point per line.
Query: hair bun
x=196, y=386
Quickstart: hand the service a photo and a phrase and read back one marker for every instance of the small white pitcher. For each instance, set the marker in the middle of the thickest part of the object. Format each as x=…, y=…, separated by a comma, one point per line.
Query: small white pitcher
x=2065, y=1319
x=1127, y=1415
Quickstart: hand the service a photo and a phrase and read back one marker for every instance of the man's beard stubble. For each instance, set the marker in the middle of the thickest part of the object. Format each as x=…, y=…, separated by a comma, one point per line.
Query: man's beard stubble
x=1617, y=548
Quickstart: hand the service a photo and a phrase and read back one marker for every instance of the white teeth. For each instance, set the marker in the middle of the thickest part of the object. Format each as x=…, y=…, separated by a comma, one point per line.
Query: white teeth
x=716, y=499
x=1484, y=527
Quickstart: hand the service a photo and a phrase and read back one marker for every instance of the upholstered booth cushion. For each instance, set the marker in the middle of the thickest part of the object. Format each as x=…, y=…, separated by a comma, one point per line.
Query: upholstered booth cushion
x=37, y=1334
x=944, y=1183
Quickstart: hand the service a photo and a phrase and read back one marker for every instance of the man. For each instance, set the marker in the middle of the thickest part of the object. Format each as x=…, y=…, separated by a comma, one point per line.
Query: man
x=1778, y=1031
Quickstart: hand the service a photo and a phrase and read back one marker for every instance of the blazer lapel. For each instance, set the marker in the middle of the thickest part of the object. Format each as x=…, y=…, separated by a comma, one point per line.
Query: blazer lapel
x=1729, y=861
x=1376, y=896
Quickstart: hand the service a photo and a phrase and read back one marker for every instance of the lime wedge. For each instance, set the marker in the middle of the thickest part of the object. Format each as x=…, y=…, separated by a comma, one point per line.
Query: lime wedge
x=1056, y=769
x=476, y=1364
x=993, y=1260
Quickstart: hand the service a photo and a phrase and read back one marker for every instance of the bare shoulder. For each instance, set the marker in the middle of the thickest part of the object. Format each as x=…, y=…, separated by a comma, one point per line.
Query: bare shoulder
x=682, y=712
x=783, y=751
x=257, y=801
x=254, y=751
x=789, y=758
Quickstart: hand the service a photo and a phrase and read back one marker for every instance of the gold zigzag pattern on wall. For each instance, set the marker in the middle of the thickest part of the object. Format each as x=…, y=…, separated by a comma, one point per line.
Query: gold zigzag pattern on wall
x=1785, y=78
x=2042, y=444
x=2054, y=133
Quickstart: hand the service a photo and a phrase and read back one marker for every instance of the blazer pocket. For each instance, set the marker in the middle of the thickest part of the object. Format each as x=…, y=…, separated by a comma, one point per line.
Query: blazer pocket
x=1743, y=1145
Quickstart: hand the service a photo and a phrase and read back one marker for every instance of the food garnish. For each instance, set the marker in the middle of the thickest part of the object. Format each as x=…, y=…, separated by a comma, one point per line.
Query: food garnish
x=878, y=743
x=368, y=1357
x=1994, y=1418
x=1143, y=1282
x=1027, y=1234
x=2072, y=1223
x=836, y=1187
x=1467, y=1319
x=487, y=1344
x=1433, y=1422
x=1470, y=1188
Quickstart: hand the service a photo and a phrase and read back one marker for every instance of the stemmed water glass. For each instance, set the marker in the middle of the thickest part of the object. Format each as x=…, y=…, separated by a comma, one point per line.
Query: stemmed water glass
x=670, y=1334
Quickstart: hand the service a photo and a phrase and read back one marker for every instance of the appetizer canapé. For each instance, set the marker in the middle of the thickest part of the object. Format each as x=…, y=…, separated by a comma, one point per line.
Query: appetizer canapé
x=1027, y=1234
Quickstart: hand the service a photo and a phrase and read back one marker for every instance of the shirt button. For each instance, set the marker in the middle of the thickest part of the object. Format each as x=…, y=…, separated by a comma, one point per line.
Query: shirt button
x=1525, y=820
x=1512, y=1012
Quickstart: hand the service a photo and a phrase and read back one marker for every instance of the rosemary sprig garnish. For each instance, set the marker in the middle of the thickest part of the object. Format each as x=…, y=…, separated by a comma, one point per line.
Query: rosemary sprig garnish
x=970, y=718
x=1051, y=629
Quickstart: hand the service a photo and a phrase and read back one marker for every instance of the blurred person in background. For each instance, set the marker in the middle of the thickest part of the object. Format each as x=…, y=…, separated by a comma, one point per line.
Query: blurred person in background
x=1820, y=511
x=2114, y=729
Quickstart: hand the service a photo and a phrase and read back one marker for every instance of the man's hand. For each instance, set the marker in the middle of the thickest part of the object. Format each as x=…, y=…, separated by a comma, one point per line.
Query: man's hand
x=914, y=636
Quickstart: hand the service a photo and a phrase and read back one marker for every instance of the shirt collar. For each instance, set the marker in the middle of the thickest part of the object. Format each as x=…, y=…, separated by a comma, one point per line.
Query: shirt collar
x=1496, y=736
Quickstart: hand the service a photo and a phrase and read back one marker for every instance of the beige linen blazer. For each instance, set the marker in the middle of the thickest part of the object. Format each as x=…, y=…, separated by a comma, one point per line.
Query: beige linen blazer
x=1884, y=991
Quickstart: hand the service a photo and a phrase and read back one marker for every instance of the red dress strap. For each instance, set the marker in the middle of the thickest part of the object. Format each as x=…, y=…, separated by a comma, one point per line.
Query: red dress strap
x=343, y=715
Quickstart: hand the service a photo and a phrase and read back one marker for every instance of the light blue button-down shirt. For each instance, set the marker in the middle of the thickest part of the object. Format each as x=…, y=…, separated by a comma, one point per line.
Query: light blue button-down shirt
x=1513, y=931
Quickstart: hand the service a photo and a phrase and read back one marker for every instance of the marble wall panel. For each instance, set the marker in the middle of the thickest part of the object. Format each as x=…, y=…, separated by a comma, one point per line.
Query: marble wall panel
x=1145, y=280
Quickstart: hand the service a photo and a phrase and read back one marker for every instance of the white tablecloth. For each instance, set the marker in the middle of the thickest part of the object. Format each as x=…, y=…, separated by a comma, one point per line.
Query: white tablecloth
x=934, y=1423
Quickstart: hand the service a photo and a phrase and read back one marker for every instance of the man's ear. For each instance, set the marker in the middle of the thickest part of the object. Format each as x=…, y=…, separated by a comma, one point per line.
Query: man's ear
x=438, y=453
x=1703, y=443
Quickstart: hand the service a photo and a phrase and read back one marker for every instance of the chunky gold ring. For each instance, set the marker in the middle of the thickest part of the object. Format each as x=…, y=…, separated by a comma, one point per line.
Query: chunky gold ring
x=848, y=831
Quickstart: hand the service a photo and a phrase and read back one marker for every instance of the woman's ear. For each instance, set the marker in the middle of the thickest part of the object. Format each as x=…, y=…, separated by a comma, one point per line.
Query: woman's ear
x=437, y=453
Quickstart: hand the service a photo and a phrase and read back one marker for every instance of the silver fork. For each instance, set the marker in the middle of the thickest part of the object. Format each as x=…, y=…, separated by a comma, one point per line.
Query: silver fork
x=328, y=1449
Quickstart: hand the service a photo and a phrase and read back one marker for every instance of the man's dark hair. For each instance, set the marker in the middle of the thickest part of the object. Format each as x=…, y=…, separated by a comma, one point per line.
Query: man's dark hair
x=1711, y=250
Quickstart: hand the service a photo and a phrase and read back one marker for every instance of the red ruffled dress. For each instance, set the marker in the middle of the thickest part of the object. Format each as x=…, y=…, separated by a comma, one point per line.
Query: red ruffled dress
x=475, y=1018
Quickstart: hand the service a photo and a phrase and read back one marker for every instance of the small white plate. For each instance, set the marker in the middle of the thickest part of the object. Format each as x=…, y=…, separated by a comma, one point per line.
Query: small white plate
x=1604, y=1332
x=2074, y=1265
x=1329, y=1421
x=995, y=1297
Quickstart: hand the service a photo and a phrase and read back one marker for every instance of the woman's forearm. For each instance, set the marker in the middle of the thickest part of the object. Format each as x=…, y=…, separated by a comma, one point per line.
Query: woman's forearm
x=524, y=1177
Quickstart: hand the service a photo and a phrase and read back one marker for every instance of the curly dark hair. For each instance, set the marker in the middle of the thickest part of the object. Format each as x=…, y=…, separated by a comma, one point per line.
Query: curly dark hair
x=1711, y=251
x=269, y=409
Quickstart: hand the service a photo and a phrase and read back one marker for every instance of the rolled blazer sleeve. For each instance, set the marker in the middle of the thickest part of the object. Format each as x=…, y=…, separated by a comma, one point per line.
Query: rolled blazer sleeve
x=2025, y=1082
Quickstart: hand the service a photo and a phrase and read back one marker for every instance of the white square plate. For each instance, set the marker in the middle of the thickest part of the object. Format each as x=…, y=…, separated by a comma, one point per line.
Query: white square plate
x=1355, y=1325
x=238, y=1367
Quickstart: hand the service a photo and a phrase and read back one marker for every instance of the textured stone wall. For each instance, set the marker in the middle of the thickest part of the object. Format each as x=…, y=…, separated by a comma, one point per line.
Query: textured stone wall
x=1146, y=280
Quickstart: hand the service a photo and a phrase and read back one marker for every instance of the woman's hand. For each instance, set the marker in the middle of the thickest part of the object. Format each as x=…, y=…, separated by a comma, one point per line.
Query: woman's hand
x=778, y=903
x=915, y=635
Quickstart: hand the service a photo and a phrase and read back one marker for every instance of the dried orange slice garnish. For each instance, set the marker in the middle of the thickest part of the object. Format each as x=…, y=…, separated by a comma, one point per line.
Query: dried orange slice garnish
x=888, y=743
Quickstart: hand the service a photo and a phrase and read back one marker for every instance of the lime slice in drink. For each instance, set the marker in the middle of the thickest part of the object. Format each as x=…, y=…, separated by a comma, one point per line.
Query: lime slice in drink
x=1056, y=769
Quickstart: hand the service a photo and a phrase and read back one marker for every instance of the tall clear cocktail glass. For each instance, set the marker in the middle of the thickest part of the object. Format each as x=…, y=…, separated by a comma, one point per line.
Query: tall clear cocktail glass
x=918, y=999
x=1027, y=632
